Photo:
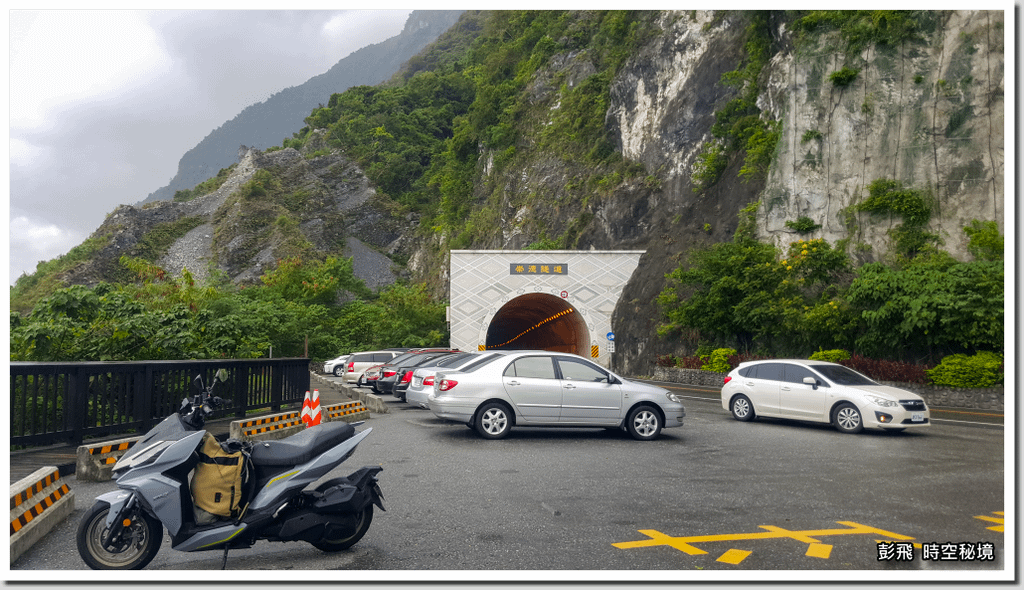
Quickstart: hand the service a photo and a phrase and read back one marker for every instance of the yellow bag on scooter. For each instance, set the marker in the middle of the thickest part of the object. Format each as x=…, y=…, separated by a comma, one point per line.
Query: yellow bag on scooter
x=217, y=481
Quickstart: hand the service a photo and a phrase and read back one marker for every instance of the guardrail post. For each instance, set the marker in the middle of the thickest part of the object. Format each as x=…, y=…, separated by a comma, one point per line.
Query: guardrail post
x=276, y=387
x=79, y=407
x=239, y=385
x=144, y=399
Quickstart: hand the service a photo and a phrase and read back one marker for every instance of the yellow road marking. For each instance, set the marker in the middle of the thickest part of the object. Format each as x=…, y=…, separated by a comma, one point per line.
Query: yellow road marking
x=733, y=556
x=819, y=550
x=816, y=549
x=999, y=521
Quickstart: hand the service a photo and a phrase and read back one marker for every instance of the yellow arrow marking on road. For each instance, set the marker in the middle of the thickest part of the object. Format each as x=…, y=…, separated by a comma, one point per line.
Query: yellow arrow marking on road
x=734, y=556
x=1000, y=521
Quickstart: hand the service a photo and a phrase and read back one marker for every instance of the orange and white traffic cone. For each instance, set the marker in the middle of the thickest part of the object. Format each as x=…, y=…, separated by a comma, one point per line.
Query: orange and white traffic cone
x=314, y=409
x=307, y=410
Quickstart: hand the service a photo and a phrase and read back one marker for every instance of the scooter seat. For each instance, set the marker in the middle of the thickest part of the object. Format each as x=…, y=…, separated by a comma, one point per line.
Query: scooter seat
x=300, y=448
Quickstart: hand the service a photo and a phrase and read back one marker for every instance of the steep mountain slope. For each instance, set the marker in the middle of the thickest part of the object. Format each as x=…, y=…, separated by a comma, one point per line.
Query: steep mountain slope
x=634, y=130
x=266, y=123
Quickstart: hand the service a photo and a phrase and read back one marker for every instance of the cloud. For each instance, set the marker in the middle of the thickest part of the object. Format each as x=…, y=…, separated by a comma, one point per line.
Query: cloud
x=97, y=54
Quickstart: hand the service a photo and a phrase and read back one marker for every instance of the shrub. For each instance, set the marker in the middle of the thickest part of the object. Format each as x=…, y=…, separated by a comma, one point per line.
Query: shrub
x=689, y=362
x=984, y=369
x=718, y=361
x=665, y=360
x=843, y=77
x=831, y=356
x=881, y=370
x=802, y=225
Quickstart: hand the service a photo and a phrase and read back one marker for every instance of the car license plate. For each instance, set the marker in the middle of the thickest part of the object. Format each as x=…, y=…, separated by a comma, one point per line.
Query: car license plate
x=917, y=417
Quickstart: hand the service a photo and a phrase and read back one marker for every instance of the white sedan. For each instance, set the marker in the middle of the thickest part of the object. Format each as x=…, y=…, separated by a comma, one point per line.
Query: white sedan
x=544, y=388
x=818, y=391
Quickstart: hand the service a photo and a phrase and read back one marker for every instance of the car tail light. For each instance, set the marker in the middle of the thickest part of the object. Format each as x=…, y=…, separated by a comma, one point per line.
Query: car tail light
x=447, y=384
x=726, y=380
x=407, y=377
x=429, y=381
x=388, y=373
x=351, y=367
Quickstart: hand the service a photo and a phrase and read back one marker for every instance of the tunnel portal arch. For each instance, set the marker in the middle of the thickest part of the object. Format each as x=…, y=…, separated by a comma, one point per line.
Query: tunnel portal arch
x=538, y=321
x=537, y=299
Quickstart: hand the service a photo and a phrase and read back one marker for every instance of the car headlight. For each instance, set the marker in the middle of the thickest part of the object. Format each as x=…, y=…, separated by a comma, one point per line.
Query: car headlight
x=674, y=397
x=881, y=401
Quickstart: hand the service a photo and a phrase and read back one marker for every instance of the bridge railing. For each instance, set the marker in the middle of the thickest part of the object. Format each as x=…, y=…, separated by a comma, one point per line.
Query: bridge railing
x=67, y=402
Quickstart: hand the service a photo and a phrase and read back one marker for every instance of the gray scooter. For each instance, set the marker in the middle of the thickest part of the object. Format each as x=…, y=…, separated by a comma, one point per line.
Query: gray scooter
x=124, y=528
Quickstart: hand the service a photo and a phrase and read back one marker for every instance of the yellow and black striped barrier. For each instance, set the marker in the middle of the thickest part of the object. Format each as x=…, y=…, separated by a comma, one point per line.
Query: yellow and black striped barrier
x=95, y=462
x=267, y=427
x=38, y=503
x=345, y=411
x=266, y=424
x=280, y=426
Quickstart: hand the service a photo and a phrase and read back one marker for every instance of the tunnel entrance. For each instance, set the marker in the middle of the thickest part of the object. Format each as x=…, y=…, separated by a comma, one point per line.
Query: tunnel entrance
x=538, y=321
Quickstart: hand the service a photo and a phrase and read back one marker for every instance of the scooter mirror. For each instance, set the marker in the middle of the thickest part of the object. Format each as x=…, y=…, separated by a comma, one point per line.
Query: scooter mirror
x=198, y=382
x=221, y=375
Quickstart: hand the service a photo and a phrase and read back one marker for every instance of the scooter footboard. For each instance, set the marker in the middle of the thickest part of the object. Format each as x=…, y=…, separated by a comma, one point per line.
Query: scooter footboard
x=352, y=493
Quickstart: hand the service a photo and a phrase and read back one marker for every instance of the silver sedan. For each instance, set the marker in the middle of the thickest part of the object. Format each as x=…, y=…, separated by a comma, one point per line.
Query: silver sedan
x=544, y=388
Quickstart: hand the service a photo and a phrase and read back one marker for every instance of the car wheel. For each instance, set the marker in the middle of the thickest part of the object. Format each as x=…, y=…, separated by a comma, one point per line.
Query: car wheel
x=742, y=409
x=337, y=371
x=493, y=421
x=644, y=423
x=847, y=419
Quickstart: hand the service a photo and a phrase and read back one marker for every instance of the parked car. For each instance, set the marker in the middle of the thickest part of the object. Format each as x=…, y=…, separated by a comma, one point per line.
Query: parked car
x=819, y=391
x=544, y=388
x=422, y=383
x=336, y=366
x=391, y=373
x=404, y=377
x=360, y=361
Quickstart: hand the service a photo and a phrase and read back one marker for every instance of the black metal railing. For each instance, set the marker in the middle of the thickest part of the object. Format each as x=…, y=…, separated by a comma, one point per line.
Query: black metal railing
x=67, y=402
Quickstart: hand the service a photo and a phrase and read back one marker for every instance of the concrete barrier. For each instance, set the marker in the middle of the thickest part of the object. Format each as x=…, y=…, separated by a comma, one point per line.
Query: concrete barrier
x=39, y=502
x=95, y=462
x=280, y=426
x=348, y=412
x=271, y=427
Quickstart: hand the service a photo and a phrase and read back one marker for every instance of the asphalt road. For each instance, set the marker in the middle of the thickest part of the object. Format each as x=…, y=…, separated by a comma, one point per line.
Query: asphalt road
x=713, y=500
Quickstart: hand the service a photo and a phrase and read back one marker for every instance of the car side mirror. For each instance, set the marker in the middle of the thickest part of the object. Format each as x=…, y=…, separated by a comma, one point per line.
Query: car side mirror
x=812, y=382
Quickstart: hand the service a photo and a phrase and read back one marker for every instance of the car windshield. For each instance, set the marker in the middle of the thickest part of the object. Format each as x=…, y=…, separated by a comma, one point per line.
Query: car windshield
x=453, y=359
x=842, y=376
x=484, y=360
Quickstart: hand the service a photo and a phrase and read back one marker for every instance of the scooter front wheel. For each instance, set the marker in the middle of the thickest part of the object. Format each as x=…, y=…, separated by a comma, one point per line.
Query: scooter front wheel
x=137, y=546
x=344, y=541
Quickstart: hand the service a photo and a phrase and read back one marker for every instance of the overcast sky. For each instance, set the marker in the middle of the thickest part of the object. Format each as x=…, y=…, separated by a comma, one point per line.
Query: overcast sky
x=103, y=103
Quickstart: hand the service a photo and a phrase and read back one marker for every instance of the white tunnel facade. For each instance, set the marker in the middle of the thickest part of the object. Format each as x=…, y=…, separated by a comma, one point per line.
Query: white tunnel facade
x=537, y=299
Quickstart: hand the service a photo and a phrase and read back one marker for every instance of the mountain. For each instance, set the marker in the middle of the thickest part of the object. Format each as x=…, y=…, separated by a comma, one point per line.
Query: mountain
x=266, y=123
x=877, y=132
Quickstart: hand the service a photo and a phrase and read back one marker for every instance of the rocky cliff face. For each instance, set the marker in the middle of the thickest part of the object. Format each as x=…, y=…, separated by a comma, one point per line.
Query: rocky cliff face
x=335, y=211
x=928, y=114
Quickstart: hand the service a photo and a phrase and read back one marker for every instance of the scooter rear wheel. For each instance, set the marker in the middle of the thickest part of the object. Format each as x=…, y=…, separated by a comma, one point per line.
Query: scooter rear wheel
x=342, y=543
x=138, y=545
